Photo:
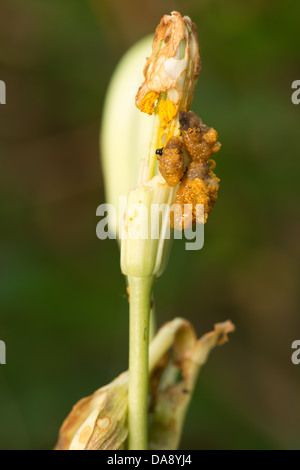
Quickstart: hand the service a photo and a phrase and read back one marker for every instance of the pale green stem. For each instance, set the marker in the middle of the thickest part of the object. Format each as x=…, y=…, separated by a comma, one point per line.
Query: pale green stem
x=140, y=295
x=152, y=321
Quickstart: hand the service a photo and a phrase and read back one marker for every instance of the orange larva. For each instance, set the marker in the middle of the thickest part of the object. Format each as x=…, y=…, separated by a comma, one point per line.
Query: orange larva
x=171, y=161
x=199, y=186
x=200, y=140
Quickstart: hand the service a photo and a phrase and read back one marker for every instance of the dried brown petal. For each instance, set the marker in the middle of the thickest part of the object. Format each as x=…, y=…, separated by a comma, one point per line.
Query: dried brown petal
x=166, y=70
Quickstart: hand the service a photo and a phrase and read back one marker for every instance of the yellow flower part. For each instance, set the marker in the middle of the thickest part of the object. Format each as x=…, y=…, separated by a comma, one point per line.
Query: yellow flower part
x=166, y=111
x=147, y=103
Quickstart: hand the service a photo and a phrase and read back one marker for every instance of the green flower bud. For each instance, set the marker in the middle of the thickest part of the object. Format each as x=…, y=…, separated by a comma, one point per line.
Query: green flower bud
x=147, y=236
x=125, y=132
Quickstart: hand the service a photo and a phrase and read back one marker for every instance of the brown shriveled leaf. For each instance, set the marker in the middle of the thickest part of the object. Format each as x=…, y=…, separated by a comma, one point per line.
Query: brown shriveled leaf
x=178, y=382
x=98, y=422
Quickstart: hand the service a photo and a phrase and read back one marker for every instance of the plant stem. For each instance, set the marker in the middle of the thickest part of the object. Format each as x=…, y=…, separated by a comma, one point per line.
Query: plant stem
x=140, y=295
x=152, y=320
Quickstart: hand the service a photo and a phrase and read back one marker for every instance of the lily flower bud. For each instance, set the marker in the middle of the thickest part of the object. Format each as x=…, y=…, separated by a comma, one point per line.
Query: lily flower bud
x=170, y=76
x=125, y=132
x=146, y=236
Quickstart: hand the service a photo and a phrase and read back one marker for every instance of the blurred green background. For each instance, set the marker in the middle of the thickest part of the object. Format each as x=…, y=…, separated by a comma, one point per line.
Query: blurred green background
x=63, y=308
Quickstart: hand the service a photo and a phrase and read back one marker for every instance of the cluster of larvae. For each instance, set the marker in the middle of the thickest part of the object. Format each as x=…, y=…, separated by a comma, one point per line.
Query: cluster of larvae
x=198, y=184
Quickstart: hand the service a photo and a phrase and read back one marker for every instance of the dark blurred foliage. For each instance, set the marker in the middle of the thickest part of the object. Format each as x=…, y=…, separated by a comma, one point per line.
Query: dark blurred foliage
x=63, y=307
